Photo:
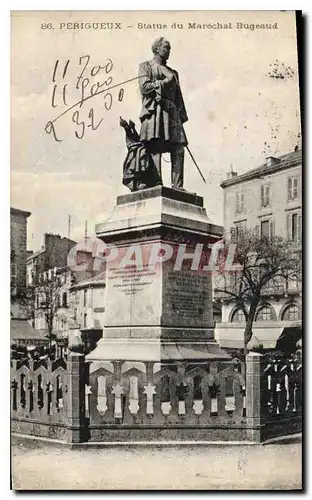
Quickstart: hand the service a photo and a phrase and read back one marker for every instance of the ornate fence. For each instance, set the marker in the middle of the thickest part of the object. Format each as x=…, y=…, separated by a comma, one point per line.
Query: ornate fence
x=76, y=401
x=281, y=395
x=39, y=398
x=47, y=397
x=147, y=400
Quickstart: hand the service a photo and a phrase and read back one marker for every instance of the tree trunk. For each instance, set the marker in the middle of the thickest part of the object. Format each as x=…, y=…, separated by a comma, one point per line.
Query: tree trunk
x=249, y=323
x=50, y=330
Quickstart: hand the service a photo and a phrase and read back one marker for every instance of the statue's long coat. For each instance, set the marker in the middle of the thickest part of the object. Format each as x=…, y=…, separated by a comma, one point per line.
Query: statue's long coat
x=162, y=122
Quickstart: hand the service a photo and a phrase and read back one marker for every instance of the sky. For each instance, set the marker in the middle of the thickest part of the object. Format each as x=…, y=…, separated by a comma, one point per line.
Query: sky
x=240, y=88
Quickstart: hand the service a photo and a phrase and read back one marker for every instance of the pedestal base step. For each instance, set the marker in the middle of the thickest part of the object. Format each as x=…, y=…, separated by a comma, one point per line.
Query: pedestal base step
x=156, y=350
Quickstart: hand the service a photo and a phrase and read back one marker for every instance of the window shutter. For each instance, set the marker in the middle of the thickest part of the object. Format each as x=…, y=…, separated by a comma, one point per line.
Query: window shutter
x=237, y=202
x=299, y=238
x=289, y=188
x=267, y=195
x=289, y=226
x=295, y=188
x=262, y=196
x=242, y=202
x=257, y=230
x=271, y=229
x=295, y=225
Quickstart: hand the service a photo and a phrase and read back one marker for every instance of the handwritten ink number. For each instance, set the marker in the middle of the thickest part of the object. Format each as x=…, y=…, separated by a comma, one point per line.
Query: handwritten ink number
x=47, y=26
x=108, y=101
x=121, y=94
x=50, y=128
x=92, y=124
x=83, y=84
x=83, y=70
x=97, y=86
x=109, y=66
x=75, y=119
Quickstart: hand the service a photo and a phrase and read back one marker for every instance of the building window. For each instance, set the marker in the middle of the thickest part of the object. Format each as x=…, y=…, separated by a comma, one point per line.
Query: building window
x=265, y=195
x=239, y=202
x=293, y=184
x=238, y=316
x=64, y=300
x=292, y=313
x=299, y=266
x=13, y=271
x=85, y=320
x=85, y=297
x=13, y=277
x=294, y=226
x=264, y=314
x=238, y=228
x=266, y=228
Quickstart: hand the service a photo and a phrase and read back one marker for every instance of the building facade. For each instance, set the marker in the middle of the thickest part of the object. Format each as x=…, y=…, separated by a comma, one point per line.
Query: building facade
x=268, y=200
x=89, y=298
x=80, y=304
x=53, y=254
x=77, y=294
x=52, y=292
x=18, y=258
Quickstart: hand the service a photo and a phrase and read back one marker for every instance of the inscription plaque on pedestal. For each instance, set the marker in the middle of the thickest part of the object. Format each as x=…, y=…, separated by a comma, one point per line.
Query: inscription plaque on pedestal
x=187, y=299
x=133, y=294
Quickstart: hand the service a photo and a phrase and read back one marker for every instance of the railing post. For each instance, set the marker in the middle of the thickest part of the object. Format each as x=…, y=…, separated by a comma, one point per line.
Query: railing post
x=253, y=396
x=76, y=422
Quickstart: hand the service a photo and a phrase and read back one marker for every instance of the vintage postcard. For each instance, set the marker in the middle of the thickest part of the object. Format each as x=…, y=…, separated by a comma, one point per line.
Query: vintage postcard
x=156, y=284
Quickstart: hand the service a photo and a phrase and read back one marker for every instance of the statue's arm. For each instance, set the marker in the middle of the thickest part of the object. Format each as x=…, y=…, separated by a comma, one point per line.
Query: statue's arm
x=180, y=102
x=148, y=87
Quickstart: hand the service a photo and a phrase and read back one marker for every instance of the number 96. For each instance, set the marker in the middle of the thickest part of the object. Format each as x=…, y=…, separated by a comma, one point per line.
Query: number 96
x=46, y=26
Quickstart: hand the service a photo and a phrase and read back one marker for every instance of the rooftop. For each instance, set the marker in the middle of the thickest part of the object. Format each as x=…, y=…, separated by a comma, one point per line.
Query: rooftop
x=97, y=280
x=283, y=162
x=17, y=211
x=34, y=255
x=21, y=329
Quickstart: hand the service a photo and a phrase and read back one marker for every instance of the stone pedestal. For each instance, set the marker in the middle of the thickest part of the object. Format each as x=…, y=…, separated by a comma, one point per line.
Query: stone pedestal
x=158, y=293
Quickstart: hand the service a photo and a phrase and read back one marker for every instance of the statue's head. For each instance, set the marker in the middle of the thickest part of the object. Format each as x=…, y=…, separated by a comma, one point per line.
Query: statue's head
x=161, y=47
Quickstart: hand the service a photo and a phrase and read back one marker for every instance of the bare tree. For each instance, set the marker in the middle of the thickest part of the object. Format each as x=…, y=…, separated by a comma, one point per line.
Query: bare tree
x=44, y=296
x=48, y=296
x=261, y=265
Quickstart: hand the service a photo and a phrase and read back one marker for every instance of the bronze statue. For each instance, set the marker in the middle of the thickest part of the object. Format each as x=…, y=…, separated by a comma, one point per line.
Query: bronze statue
x=163, y=111
x=139, y=171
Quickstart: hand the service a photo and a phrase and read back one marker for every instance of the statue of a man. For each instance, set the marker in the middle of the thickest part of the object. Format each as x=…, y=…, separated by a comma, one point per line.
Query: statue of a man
x=163, y=111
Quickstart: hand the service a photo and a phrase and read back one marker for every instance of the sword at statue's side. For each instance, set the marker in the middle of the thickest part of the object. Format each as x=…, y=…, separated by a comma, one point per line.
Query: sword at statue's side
x=191, y=155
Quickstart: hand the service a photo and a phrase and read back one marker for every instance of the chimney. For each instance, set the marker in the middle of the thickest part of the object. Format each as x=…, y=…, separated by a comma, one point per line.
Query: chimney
x=231, y=173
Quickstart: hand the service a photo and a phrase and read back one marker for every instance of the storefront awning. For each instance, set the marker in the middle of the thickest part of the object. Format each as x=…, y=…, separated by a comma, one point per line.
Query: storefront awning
x=288, y=339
